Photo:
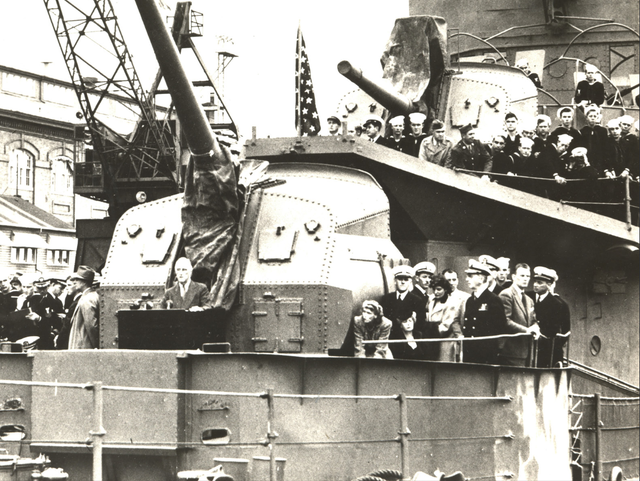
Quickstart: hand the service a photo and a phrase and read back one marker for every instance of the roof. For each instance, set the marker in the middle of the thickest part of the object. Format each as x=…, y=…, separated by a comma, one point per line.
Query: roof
x=15, y=211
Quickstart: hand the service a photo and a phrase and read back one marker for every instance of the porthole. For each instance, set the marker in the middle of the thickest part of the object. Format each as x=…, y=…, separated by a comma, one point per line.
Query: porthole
x=595, y=345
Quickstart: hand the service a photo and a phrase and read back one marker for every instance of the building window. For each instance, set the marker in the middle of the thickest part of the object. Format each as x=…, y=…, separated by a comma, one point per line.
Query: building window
x=21, y=166
x=57, y=257
x=61, y=209
x=23, y=255
x=62, y=175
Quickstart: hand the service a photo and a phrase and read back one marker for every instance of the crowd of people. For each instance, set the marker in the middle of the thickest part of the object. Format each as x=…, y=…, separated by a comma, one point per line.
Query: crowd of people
x=529, y=154
x=429, y=306
x=56, y=313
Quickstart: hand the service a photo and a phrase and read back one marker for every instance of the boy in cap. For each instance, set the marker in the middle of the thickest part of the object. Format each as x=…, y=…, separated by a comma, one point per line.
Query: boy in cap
x=553, y=317
x=483, y=316
x=373, y=127
x=470, y=154
x=397, y=141
x=437, y=147
x=401, y=303
x=334, y=123
x=415, y=137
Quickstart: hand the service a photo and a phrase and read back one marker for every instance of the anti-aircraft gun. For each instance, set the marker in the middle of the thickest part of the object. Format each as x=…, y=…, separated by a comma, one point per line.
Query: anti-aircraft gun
x=417, y=77
x=286, y=263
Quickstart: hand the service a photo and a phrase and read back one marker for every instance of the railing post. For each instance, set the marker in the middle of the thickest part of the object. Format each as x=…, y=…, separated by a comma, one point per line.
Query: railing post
x=98, y=430
x=598, y=431
x=627, y=202
x=404, y=434
x=271, y=436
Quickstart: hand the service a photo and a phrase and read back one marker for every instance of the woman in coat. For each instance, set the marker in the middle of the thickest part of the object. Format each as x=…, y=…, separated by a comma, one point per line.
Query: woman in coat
x=404, y=329
x=444, y=311
x=370, y=326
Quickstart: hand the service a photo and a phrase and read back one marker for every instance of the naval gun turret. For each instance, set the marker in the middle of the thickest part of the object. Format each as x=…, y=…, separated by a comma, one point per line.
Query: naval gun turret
x=287, y=264
x=417, y=77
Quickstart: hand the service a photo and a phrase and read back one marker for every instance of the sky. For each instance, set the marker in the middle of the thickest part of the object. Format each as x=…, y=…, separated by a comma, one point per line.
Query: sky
x=259, y=83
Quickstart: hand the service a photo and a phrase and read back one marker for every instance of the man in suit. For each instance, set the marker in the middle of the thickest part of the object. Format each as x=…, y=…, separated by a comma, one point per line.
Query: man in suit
x=553, y=317
x=72, y=296
x=483, y=316
x=518, y=309
x=186, y=294
x=86, y=317
x=400, y=304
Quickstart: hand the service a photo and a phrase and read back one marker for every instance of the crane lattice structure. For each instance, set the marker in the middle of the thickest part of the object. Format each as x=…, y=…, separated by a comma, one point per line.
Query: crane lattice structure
x=105, y=80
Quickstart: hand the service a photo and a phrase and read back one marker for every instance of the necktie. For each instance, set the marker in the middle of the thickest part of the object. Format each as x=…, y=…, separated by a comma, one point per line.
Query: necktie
x=524, y=303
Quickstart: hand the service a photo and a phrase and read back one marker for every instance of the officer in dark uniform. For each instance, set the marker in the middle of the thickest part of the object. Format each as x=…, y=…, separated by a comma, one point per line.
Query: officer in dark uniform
x=373, y=128
x=400, y=304
x=553, y=318
x=470, y=154
x=483, y=316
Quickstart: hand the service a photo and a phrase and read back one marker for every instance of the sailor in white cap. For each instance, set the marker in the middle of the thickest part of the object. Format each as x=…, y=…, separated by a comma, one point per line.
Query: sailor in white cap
x=396, y=140
x=553, y=317
x=502, y=279
x=400, y=304
x=483, y=316
x=415, y=137
x=494, y=268
x=373, y=127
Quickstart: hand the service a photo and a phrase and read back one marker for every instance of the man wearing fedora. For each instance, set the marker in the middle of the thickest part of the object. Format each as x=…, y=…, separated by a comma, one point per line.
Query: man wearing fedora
x=86, y=318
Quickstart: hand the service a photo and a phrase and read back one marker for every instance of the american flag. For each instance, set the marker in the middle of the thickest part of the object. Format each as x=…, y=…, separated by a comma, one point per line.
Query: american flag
x=307, y=120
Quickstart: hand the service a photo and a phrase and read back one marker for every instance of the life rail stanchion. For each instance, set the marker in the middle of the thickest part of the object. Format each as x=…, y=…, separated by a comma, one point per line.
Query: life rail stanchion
x=98, y=431
x=598, y=443
x=627, y=202
x=271, y=435
x=404, y=434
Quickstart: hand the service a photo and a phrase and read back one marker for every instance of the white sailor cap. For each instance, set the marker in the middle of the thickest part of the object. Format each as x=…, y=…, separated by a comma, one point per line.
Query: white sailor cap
x=398, y=120
x=417, y=118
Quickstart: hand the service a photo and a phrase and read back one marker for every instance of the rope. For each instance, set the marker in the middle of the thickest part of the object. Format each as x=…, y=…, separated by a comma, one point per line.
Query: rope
x=241, y=394
x=449, y=339
x=604, y=398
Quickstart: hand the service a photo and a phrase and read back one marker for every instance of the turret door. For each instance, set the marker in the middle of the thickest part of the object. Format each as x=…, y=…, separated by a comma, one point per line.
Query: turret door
x=277, y=325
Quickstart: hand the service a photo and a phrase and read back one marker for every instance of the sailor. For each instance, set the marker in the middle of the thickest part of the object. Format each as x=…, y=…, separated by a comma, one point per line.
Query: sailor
x=521, y=318
x=629, y=146
x=186, y=294
x=397, y=141
x=415, y=137
x=523, y=64
x=553, y=317
x=590, y=90
x=437, y=147
x=401, y=303
x=541, y=142
x=502, y=279
x=494, y=268
x=594, y=138
x=49, y=312
x=373, y=127
x=566, y=115
x=86, y=318
x=470, y=154
x=483, y=316
x=334, y=124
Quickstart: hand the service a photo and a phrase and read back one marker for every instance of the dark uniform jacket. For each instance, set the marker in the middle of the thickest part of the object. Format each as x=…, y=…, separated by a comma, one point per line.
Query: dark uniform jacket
x=511, y=146
x=472, y=157
x=594, y=92
x=413, y=144
x=553, y=318
x=394, y=308
x=483, y=316
x=575, y=134
x=399, y=145
x=404, y=350
x=594, y=139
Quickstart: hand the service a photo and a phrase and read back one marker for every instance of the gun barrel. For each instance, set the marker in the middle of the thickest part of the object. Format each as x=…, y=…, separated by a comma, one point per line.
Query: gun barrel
x=392, y=101
x=195, y=124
